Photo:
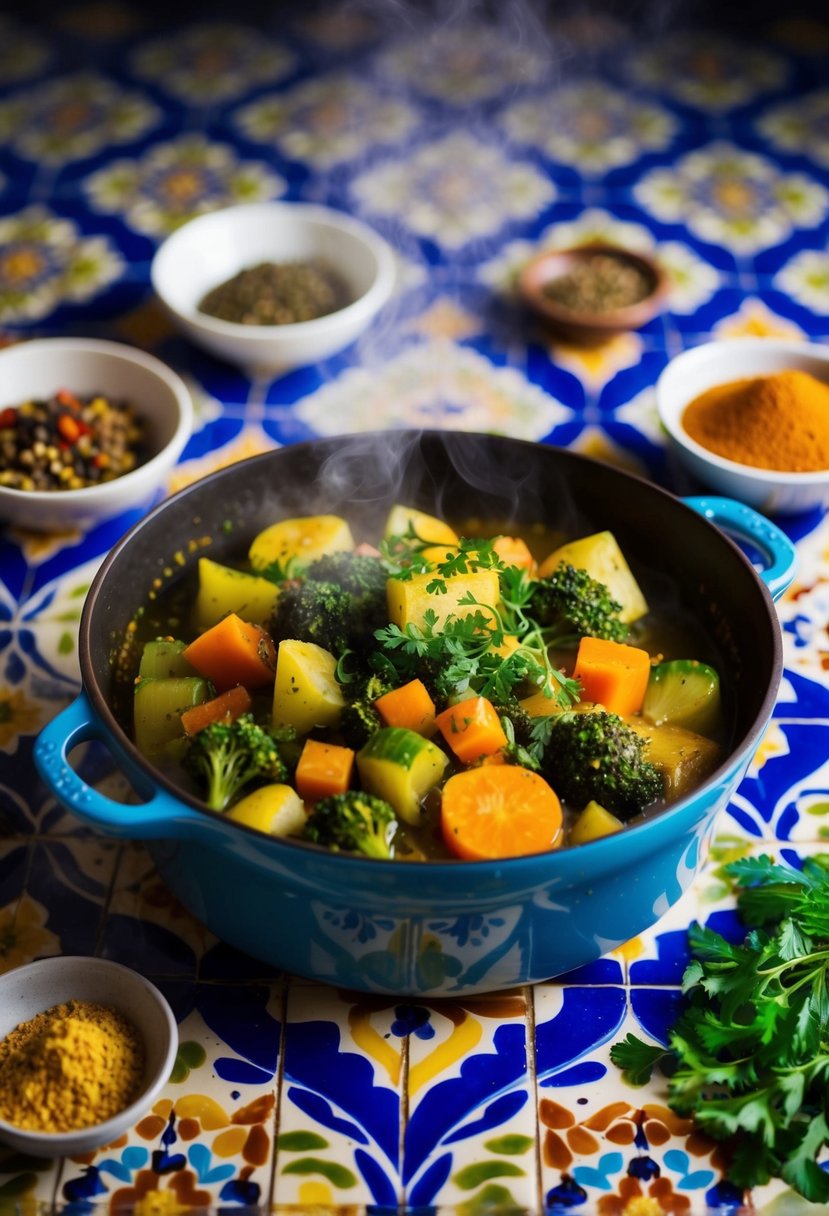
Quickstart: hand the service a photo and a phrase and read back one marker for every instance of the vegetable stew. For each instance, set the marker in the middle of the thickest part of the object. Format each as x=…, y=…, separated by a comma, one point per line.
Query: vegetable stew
x=459, y=694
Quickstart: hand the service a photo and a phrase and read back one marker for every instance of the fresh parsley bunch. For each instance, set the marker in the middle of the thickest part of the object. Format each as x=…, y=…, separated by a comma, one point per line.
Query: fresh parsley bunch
x=749, y=1056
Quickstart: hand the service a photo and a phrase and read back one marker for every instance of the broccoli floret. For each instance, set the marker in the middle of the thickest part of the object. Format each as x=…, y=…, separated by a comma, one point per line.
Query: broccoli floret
x=359, y=720
x=337, y=603
x=570, y=605
x=224, y=757
x=312, y=612
x=352, y=822
x=595, y=755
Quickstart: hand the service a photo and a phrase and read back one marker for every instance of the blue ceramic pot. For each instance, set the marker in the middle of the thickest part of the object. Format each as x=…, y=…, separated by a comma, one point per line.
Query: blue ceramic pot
x=437, y=928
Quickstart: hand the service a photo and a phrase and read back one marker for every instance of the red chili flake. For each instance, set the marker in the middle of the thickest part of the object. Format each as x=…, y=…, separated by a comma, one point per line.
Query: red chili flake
x=69, y=428
x=65, y=397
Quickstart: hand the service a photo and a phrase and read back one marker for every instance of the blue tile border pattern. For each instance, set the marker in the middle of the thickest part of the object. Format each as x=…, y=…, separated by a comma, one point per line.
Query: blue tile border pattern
x=470, y=141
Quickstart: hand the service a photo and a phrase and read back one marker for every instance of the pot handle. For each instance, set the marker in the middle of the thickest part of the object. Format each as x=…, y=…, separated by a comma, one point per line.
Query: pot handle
x=159, y=816
x=738, y=519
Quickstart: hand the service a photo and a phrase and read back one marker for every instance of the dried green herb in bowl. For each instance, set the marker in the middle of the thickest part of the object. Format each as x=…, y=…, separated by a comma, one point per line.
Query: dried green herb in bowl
x=276, y=293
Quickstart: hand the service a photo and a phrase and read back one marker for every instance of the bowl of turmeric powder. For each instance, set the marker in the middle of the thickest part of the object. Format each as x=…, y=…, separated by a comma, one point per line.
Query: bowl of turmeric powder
x=749, y=418
x=86, y=1046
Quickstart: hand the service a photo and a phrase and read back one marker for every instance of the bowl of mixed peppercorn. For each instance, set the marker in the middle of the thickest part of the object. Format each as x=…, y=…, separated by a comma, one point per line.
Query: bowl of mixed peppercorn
x=88, y=430
x=592, y=292
x=272, y=286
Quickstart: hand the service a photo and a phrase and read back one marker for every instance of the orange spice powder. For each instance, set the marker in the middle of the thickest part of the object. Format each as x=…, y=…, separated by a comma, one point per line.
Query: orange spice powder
x=779, y=421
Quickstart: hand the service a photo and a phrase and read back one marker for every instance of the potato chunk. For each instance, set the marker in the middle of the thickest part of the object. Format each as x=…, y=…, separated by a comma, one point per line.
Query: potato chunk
x=408, y=599
x=604, y=561
x=304, y=539
x=306, y=692
x=683, y=757
x=223, y=590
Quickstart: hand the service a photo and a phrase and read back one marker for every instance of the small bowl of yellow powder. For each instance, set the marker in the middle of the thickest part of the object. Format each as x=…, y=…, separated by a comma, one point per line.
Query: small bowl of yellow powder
x=86, y=1046
x=749, y=418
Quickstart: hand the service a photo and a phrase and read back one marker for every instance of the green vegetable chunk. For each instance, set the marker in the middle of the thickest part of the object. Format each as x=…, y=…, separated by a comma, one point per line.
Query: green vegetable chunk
x=400, y=767
x=163, y=659
x=684, y=692
x=158, y=706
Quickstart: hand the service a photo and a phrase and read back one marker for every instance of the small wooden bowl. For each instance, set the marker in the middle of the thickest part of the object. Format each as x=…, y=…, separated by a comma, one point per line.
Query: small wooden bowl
x=585, y=325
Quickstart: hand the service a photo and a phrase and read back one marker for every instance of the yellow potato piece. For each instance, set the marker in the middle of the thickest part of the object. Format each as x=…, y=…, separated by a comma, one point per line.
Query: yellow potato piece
x=428, y=527
x=538, y=705
x=408, y=599
x=604, y=561
x=223, y=590
x=683, y=758
x=593, y=822
x=306, y=692
x=276, y=810
x=305, y=539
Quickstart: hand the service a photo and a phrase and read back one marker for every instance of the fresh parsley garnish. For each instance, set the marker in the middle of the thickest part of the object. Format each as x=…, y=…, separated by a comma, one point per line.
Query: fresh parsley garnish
x=749, y=1056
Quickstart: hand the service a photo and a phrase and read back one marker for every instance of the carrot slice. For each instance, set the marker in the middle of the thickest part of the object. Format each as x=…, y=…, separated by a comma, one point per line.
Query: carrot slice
x=613, y=674
x=323, y=769
x=513, y=551
x=472, y=729
x=499, y=811
x=409, y=706
x=232, y=652
x=230, y=704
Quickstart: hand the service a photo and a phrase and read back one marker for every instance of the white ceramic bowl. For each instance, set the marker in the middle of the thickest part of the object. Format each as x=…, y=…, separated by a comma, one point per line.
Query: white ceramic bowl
x=212, y=248
x=31, y=989
x=703, y=367
x=41, y=367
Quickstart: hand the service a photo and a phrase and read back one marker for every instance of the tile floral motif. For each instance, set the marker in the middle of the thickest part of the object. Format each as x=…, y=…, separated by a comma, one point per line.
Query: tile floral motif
x=590, y=125
x=212, y=62
x=464, y=65
x=735, y=198
x=697, y=67
x=433, y=384
x=25, y=933
x=339, y=1137
x=799, y=126
x=805, y=277
x=327, y=122
x=454, y=190
x=754, y=319
x=74, y=117
x=176, y=181
x=46, y=261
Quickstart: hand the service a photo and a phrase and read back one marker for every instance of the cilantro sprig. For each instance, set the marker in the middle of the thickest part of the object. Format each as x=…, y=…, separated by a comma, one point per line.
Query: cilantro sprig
x=749, y=1056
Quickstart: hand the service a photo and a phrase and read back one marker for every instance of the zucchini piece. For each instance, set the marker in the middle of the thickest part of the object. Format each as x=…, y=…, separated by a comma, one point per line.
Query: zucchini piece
x=684, y=692
x=223, y=590
x=408, y=599
x=604, y=561
x=593, y=822
x=275, y=809
x=401, y=767
x=683, y=758
x=306, y=692
x=305, y=539
x=157, y=708
x=163, y=659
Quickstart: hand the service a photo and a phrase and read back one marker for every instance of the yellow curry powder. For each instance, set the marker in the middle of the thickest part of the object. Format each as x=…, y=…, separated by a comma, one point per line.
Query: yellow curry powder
x=779, y=421
x=70, y=1067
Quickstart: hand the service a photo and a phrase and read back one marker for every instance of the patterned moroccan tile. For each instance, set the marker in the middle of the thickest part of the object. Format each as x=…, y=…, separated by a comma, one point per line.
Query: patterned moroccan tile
x=470, y=1127
x=72, y=879
x=340, y=1110
x=208, y=1139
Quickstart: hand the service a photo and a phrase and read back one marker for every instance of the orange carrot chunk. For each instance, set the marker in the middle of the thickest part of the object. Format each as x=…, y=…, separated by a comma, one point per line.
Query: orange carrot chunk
x=233, y=652
x=499, y=811
x=472, y=729
x=409, y=706
x=613, y=674
x=226, y=707
x=513, y=551
x=323, y=769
